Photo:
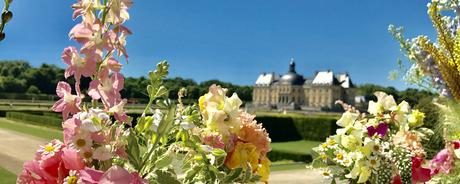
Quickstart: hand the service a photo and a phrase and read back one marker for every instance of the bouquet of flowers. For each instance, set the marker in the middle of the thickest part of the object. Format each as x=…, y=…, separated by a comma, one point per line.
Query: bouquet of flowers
x=381, y=146
x=212, y=142
x=437, y=66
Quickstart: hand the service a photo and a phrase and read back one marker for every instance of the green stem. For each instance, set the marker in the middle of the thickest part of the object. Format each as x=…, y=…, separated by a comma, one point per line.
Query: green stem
x=149, y=154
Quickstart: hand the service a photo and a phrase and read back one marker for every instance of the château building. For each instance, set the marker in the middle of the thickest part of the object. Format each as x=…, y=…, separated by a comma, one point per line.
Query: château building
x=294, y=91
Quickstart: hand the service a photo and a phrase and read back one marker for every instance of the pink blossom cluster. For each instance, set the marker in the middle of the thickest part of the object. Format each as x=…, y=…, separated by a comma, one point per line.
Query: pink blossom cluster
x=101, y=39
x=91, y=139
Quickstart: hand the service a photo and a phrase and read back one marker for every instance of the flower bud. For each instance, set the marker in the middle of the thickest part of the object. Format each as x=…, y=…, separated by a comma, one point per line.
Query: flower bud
x=2, y=36
x=9, y=1
x=6, y=16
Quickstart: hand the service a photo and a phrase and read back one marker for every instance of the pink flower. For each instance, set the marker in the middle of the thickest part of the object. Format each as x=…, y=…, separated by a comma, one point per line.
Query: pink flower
x=107, y=88
x=70, y=127
x=214, y=141
x=419, y=174
x=68, y=103
x=78, y=66
x=92, y=37
x=32, y=174
x=72, y=159
x=115, y=175
x=118, y=11
x=118, y=111
x=121, y=33
x=85, y=8
x=113, y=65
x=89, y=175
x=442, y=162
x=254, y=133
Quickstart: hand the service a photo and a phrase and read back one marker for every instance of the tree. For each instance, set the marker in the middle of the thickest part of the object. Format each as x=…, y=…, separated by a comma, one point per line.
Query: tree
x=33, y=90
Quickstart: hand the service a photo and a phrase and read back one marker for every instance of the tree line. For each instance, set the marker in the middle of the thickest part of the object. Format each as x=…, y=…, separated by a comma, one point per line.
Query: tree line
x=18, y=76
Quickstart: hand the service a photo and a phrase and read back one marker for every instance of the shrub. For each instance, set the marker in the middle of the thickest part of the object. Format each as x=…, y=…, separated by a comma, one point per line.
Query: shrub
x=41, y=120
x=289, y=128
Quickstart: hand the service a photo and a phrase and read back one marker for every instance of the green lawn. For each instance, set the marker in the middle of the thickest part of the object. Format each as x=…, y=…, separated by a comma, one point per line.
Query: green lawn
x=38, y=131
x=7, y=177
x=302, y=146
x=284, y=165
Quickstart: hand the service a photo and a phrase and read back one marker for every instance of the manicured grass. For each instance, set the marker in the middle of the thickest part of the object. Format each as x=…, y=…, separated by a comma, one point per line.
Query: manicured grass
x=42, y=132
x=302, y=146
x=286, y=167
x=6, y=177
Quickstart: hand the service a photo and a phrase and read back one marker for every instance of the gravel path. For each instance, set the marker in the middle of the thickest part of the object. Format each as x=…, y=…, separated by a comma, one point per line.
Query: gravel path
x=16, y=148
x=301, y=176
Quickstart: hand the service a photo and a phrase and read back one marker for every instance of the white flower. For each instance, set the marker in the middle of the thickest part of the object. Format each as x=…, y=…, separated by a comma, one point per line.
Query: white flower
x=102, y=153
x=347, y=119
x=72, y=178
x=340, y=156
x=157, y=117
x=331, y=143
x=50, y=149
x=374, y=162
x=186, y=125
x=384, y=102
x=327, y=174
x=82, y=141
x=90, y=126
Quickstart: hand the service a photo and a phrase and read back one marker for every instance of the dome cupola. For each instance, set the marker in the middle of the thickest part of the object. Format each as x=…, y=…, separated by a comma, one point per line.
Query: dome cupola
x=291, y=77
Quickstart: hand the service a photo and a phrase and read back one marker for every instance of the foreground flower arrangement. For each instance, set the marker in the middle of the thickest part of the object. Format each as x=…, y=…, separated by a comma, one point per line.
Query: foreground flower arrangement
x=437, y=66
x=381, y=146
x=212, y=142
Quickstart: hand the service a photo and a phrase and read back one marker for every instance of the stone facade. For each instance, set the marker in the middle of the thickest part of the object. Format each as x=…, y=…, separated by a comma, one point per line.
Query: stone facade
x=293, y=91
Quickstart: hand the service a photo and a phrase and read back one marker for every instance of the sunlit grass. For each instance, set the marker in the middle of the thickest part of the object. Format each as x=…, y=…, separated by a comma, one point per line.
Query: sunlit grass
x=302, y=146
x=6, y=177
x=38, y=131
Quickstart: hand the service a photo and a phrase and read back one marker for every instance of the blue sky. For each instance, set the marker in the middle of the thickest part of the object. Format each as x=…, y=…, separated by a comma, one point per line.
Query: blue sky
x=235, y=40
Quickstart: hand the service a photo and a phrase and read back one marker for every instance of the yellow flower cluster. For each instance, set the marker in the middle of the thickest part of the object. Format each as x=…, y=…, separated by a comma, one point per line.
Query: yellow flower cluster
x=246, y=142
x=446, y=52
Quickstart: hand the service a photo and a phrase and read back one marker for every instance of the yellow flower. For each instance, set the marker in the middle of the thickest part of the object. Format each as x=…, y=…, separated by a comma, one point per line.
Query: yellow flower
x=360, y=171
x=416, y=118
x=243, y=154
x=350, y=142
x=264, y=169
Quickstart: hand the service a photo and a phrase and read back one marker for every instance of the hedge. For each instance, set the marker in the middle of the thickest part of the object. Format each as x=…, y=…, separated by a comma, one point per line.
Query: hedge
x=30, y=118
x=291, y=128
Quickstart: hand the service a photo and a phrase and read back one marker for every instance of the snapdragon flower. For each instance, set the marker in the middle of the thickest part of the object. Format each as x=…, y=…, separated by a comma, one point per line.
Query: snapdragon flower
x=68, y=104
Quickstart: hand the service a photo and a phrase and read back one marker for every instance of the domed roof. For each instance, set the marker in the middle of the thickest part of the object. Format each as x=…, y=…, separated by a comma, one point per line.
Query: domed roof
x=292, y=77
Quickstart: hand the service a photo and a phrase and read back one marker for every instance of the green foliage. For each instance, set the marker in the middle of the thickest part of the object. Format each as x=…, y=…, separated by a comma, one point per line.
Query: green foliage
x=41, y=120
x=435, y=142
x=33, y=90
x=410, y=95
x=288, y=128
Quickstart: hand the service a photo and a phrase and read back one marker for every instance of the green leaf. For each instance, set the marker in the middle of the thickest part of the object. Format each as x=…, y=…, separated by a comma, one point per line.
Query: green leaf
x=191, y=173
x=164, y=161
x=234, y=174
x=167, y=122
x=166, y=177
x=133, y=151
x=318, y=163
